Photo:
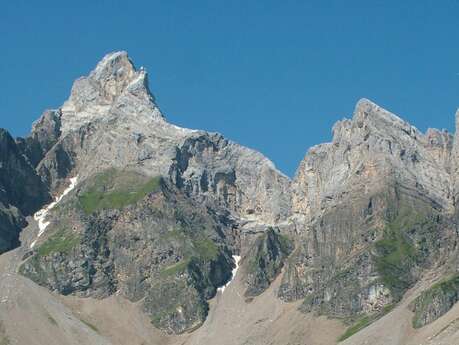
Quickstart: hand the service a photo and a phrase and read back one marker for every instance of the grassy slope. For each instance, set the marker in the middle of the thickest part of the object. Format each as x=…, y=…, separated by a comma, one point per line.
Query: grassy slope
x=115, y=190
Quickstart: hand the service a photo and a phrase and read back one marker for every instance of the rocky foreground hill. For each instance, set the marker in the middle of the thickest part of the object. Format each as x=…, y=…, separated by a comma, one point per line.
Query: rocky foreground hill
x=118, y=227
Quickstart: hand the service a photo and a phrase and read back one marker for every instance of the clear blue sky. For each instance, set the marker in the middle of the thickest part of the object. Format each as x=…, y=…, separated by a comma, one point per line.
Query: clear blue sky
x=272, y=75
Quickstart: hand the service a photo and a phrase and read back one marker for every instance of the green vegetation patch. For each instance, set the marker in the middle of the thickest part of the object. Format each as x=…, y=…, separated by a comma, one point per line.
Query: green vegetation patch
x=117, y=189
x=266, y=242
x=32, y=269
x=176, y=268
x=175, y=306
x=199, y=250
x=206, y=248
x=435, y=301
x=265, y=261
x=446, y=285
x=63, y=241
x=397, y=255
x=286, y=244
x=365, y=321
x=357, y=326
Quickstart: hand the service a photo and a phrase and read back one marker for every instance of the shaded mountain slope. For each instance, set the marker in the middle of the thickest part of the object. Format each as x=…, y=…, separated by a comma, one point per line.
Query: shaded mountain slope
x=21, y=191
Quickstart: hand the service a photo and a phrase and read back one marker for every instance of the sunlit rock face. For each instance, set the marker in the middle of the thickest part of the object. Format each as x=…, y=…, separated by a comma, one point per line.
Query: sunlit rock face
x=114, y=87
x=187, y=230
x=111, y=120
x=370, y=208
x=167, y=216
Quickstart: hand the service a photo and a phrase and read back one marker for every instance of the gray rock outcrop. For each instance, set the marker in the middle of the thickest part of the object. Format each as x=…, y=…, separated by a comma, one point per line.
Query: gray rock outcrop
x=371, y=209
x=170, y=249
x=159, y=211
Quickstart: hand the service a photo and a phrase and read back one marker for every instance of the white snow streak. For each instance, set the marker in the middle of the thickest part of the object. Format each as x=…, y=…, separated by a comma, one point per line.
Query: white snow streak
x=40, y=216
x=236, y=259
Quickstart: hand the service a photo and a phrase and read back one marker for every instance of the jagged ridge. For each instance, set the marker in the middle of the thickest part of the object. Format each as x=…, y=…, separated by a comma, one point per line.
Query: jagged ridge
x=368, y=213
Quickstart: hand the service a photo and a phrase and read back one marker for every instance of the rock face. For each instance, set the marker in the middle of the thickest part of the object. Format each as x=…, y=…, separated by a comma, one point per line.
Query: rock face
x=265, y=261
x=372, y=211
x=115, y=87
x=435, y=301
x=25, y=190
x=11, y=223
x=123, y=231
x=21, y=191
x=45, y=133
x=172, y=248
x=159, y=211
x=207, y=166
x=111, y=120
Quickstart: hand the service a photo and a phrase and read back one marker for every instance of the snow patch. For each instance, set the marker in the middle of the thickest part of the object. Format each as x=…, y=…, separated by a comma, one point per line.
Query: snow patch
x=40, y=216
x=182, y=129
x=236, y=259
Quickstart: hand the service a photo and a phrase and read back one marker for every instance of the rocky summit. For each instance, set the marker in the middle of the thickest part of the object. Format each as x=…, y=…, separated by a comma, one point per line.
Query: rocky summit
x=118, y=227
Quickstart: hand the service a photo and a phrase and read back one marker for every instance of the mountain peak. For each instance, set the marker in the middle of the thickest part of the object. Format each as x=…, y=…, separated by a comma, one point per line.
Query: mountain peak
x=366, y=109
x=113, y=63
x=6, y=138
x=114, y=87
x=371, y=114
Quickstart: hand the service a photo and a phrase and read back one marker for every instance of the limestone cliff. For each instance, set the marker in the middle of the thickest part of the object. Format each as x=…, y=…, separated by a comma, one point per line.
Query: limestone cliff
x=158, y=211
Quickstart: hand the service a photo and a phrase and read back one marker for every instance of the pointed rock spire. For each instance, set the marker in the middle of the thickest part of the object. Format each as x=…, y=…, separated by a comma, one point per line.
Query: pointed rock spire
x=114, y=87
x=370, y=111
